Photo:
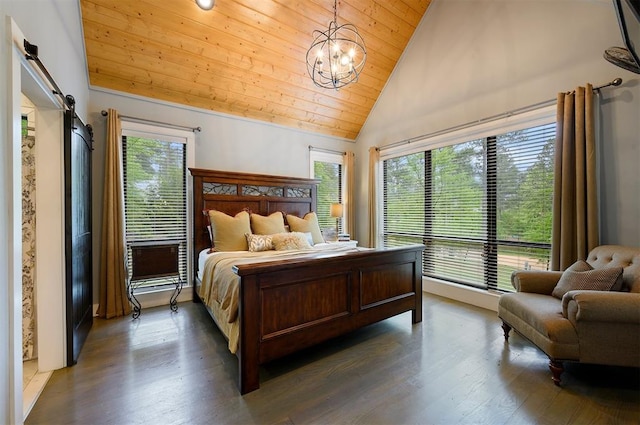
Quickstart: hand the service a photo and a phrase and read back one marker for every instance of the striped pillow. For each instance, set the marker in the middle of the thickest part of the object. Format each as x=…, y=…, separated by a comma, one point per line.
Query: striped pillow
x=581, y=276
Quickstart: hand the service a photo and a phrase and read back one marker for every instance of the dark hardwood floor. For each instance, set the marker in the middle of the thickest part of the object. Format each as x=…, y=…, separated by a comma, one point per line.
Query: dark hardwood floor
x=454, y=367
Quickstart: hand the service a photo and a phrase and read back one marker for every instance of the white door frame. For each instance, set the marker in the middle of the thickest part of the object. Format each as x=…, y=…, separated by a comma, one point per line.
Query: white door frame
x=17, y=76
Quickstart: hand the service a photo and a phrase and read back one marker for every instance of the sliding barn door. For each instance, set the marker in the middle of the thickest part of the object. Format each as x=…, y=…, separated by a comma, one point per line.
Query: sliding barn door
x=78, y=145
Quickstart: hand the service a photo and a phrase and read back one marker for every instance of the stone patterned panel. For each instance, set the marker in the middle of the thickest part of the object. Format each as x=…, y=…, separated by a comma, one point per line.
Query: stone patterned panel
x=298, y=192
x=219, y=189
x=28, y=247
x=253, y=190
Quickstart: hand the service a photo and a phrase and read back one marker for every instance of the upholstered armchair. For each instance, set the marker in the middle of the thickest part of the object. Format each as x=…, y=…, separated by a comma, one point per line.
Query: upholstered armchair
x=600, y=326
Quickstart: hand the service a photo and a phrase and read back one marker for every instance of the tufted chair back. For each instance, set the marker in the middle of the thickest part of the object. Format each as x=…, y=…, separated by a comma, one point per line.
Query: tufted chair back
x=617, y=255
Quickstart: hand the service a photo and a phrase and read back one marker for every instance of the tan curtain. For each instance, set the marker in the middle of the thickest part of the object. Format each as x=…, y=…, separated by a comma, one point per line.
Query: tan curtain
x=113, y=276
x=349, y=165
x=374, y=158
x=575, y=205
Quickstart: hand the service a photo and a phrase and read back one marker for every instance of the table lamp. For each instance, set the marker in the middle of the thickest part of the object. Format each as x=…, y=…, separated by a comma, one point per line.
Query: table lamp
x=336, y=212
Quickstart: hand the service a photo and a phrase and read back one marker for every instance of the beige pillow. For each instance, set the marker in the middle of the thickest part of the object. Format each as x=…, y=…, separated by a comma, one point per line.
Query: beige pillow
x=290, y=241
x=581, y=276
x=307, y=224
x=261, y=225
x=258, y=243
x=229, y=232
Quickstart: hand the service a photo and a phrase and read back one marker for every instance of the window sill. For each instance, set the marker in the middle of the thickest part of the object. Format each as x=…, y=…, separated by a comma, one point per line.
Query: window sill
x=155, y=297
x=477, y=297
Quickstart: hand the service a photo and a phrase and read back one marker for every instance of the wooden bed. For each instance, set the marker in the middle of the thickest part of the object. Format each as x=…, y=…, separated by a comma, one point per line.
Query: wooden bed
x=289, y=304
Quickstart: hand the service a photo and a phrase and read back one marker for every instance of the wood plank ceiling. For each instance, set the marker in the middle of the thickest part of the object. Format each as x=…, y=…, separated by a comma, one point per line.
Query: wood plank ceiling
x=244, y=57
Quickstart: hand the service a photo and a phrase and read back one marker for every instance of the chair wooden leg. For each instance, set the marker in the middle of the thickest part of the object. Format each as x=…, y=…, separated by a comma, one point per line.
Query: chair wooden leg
x=556, y=370
x=506, y=329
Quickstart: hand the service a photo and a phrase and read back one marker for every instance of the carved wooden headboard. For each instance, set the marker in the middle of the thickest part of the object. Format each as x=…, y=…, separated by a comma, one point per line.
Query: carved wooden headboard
x=231, y=192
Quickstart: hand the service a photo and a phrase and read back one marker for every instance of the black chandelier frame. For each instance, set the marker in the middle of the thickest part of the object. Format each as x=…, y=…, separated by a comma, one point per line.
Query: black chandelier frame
x=342, y=48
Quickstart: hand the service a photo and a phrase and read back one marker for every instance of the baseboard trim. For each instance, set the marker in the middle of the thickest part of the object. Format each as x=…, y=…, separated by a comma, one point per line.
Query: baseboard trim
x=32, y=391
x=477, y=297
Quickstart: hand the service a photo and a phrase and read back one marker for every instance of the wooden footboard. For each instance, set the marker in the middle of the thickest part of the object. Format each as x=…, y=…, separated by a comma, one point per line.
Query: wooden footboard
x=292, y=304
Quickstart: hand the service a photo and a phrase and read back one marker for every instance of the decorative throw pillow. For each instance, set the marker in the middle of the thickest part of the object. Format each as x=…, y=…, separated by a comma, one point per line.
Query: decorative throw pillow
x=228, y=232
x=307, y=224
x=290, y=241
x=259, y=243
x=261, y=225
x=580, y=275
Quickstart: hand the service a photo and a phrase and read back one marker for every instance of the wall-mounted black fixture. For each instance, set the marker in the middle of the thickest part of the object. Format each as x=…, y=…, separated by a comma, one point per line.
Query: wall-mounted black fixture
x=32, y=55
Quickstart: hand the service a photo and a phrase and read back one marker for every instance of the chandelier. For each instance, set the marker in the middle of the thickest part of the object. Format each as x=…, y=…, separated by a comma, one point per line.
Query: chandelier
x=336, y=56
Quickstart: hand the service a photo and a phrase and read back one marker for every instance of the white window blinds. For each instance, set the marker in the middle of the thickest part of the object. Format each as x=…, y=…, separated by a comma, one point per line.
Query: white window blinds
x=329, y=191
x=481, y=207
x=155, y=194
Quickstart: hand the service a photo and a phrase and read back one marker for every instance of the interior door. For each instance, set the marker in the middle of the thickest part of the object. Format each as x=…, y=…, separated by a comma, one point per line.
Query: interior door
x=78, y=145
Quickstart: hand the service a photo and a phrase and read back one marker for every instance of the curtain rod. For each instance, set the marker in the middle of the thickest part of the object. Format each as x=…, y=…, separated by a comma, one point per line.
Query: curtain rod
x=614, y=82
x=160, y=123
x=311, y=148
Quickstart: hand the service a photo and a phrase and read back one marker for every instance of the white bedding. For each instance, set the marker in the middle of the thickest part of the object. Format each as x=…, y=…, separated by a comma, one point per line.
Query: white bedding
x=333, y=246
x=219, y=289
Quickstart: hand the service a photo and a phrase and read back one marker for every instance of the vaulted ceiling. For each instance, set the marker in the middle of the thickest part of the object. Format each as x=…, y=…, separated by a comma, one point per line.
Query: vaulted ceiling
x=244, y=57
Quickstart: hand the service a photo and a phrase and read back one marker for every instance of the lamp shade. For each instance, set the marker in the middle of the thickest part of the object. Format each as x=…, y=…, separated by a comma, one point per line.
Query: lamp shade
x=336, y=210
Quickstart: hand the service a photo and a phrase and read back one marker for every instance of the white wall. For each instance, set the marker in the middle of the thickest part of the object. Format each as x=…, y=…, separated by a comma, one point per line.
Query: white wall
x=472, y=59
x=50, y=242
x=225, y=143
x=619, y=155
x=54, y=26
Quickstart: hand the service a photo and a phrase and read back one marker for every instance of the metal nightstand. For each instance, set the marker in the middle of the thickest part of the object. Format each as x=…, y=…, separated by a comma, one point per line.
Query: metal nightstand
x=153, y=259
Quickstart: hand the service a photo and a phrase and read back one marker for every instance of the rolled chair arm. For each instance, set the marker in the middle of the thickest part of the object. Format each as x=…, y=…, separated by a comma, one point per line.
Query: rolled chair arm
x=535, y=281
x=602, y=306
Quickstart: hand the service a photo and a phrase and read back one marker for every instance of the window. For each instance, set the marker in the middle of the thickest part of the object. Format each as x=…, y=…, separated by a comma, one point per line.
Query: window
x=482, y=206
x=155, y=182
x=329, y=169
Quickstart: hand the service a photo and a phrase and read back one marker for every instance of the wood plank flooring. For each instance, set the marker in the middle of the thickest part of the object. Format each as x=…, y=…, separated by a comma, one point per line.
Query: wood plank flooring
x=454, y=367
